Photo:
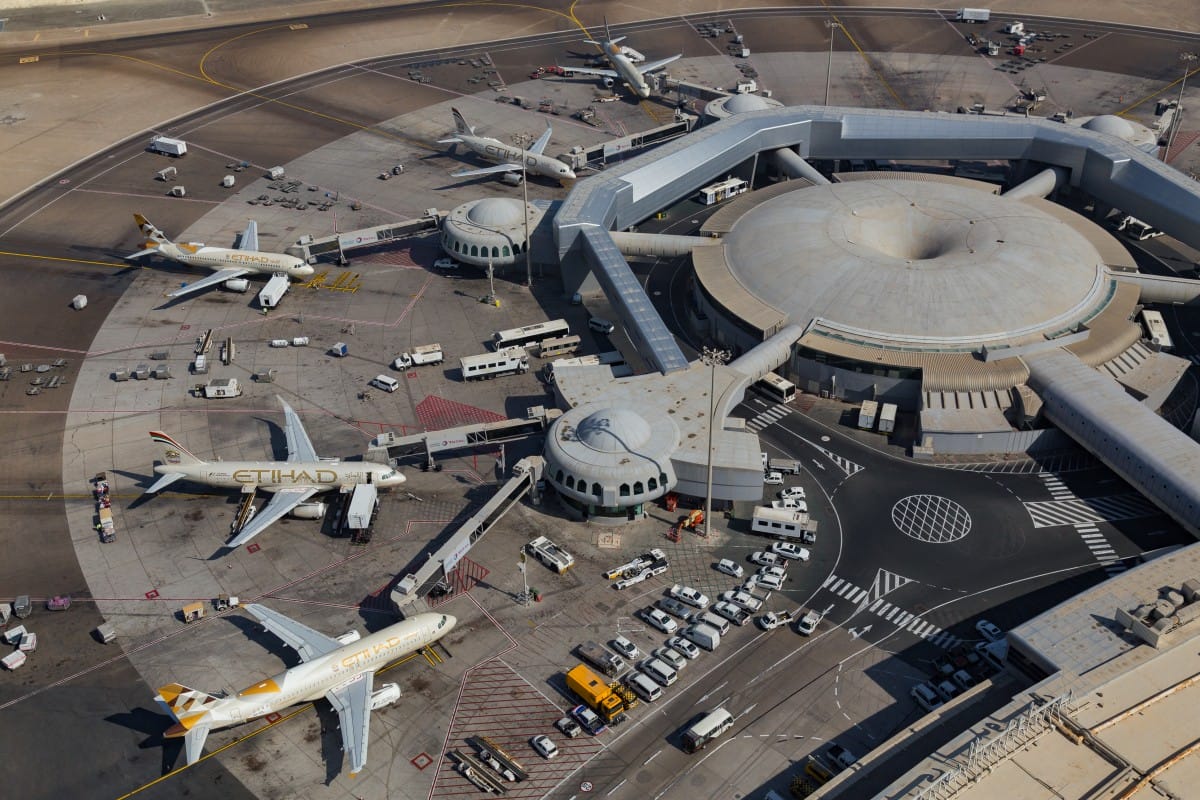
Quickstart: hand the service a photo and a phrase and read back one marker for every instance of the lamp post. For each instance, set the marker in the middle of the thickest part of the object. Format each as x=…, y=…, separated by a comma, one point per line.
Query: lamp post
x=713, y=358
x=829, y=64
x=1187, y=59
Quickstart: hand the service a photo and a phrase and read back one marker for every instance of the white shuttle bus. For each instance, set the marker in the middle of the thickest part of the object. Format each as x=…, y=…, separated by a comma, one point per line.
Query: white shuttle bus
x=559, y=346
x=782, y=523
x=1156, y=329
x=489, y=365
x=709, y=727
x=781, y=390
x=531, y=334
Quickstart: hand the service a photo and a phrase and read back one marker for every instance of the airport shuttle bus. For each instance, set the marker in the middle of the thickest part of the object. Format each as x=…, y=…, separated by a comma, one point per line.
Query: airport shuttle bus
x=559, y=346
x=709, y=727
x=778, y=389
x=1156, y=329
x=531, y=334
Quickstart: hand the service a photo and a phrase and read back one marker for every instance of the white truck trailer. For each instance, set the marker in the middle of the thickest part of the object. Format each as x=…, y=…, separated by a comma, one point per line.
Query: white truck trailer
x=887, y=418
x=274, y=291
x=419, y=355
x=975, y=15
x=867, y=414
x=168, y=147
x=489, y=365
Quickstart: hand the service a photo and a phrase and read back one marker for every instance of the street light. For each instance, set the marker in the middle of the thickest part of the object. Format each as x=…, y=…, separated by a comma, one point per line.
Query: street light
x=713, y=358
x=1187, y=59
x=829, y=64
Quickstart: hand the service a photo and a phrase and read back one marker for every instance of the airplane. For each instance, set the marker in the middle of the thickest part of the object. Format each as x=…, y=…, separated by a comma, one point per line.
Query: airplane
x=507, y=159
x=341, y=669
x=229, y=262
x=293, y=481
x=623, y=68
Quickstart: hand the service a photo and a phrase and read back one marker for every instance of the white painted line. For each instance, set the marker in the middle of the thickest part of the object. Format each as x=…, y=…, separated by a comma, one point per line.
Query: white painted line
x=894, y=610
x=876, y=604
x=651, y=758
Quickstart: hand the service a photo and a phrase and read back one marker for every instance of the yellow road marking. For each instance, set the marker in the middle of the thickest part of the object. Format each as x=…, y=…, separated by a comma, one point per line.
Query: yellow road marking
x=62, y=258
x=1154, y=95
x=872, y=67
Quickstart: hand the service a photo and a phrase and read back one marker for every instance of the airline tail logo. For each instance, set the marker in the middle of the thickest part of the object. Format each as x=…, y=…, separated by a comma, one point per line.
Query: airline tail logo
x=460, y=124
x=152, y=234
x=173, y=452
x=186, y=705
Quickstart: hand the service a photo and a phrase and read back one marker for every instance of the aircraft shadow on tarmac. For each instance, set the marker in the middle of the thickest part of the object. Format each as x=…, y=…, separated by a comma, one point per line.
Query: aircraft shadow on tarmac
x=153, y=723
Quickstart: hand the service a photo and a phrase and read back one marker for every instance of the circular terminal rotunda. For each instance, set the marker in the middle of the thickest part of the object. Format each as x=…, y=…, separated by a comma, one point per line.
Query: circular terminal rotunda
x=608, y=462
x=489, y=231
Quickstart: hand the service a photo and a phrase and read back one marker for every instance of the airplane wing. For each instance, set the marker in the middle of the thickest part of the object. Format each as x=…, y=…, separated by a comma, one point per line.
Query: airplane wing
x=300, y=447
x=281, y=503
x=219, y=276
x=540, y=145
x=352, y=700
x=193, y=740
x=607, y=73
x=249, y=240
x=304, y=640
x=653, y=65
x=164, y=482
x=466, y=173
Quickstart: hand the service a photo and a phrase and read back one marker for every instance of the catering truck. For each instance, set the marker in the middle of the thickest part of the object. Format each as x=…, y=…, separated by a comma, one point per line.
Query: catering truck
x=418, y=356
x=274, y=291
x=976, y=15
x=606, y=700
x=600, y=658
x=174, y=148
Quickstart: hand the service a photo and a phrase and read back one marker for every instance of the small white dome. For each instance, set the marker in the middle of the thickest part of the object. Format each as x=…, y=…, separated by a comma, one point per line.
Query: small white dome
x=496, y=212
x=1113, y=126
x=613, y=430
x=741, y=103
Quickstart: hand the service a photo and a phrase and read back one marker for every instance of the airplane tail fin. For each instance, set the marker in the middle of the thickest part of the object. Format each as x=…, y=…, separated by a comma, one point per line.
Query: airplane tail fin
x=152, y=239
x=190, y=709
x=172, y=451
x=608, y=34
x=460, y=124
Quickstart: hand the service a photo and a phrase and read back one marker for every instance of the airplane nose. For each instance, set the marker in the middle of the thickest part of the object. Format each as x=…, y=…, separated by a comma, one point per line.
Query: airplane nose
x=305, y=271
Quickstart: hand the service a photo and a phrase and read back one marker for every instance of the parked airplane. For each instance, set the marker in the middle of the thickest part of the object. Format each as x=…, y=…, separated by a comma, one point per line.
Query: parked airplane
x=229, y=263
x=622, y=68
x=507, y=159
x=340, y=669
x=293, y=481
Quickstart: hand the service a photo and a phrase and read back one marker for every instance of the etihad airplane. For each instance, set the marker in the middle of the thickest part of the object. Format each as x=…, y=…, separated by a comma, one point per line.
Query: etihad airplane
x=623, y=69
x=507, y=159
x=229, y=262
x=293, y=481
x=340, y=669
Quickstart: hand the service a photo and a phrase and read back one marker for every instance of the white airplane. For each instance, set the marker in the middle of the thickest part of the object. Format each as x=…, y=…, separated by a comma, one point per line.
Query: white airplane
x=293, y=481
x=623, y=69
x=340, y=669
x=507, y=159
x=229, y=262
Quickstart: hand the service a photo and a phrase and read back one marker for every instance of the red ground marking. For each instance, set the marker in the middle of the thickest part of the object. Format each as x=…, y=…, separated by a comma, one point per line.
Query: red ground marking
x=253, y=548
x=1183, y=139
x=421, y=761
x=273, y=718
x=153, y=593
x=410, y=375
x=184, y=327
x=437, y=413
x=463, y=578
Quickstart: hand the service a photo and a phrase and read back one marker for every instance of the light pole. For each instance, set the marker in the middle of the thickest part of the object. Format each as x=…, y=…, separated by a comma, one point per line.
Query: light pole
x=1187, y=59
x=713, y=358
x=829, y=64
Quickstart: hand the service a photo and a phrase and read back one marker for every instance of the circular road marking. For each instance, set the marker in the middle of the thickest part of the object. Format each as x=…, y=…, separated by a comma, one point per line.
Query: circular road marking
x=825, y=438
x=931, y=518
x=586, y=786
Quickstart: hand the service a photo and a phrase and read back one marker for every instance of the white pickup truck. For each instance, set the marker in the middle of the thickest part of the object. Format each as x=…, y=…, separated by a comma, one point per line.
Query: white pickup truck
x=420, y=355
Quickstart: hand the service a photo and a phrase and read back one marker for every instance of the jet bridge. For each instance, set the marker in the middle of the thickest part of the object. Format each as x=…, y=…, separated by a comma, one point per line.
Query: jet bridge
x=438, y=565
x=339, y=244
x=388, y=446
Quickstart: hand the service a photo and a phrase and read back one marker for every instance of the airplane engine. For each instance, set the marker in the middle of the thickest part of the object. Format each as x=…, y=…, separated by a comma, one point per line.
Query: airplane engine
x=608, y=83
x=385, y=696
x=349, y=637
x=309, y=511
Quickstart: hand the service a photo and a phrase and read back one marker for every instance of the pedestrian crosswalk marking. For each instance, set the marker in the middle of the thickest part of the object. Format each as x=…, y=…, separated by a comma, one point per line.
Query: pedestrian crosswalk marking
x=1052, y=513
x=768, y=417
x=874, y=603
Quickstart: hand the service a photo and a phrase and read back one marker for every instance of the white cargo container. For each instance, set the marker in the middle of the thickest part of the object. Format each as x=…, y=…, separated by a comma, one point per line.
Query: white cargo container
x=362, y=506
x=279, y=343
x=867, y=414
x=274, y=291
x=489, y=365
x=299, y=341
x=227, y=181
x=168, y=147
x=222, y=387
x=973, y=15
x=275, y=173
x=13, y=660
x=79, y=302
x=887, y=418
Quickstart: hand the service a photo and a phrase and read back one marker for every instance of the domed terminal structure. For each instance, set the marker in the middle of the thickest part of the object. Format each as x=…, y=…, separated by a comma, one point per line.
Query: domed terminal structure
x=489, y=231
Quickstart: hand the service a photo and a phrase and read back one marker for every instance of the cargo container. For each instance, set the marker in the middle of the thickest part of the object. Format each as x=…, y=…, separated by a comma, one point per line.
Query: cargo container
x=867, y=414
x=362, y=508
x=13, y=660
x=274, y=291
x=168, y=147
x=974, y=15
x=887, y=418
x=339, y=350
x=222, y=387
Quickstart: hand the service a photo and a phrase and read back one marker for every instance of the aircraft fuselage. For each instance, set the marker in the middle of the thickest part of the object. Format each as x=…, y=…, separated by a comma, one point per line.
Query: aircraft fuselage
x=497, y=152
x=217, y=258
x=275, y=475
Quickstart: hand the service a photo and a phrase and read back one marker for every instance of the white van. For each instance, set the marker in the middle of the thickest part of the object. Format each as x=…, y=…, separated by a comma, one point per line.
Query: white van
x=645, y=688
x=386, y=383
x=714, y=621
x=707, y=728
x=660, y=671
x=600, y=325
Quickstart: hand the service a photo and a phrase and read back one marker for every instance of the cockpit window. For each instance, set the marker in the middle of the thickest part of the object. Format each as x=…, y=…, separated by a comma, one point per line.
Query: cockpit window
x=442, y=622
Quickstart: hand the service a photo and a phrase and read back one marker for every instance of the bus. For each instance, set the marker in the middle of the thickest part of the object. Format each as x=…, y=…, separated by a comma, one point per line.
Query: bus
x=559, y=346
x=709, y=727
x=1156, y=329
x=781, y=390
x=531, y=334
x=612, y=359
x=723, y=190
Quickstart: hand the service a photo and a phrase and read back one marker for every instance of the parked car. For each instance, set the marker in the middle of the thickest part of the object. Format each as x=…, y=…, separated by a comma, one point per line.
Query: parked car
x=778, y=571
x=765, y=559
x=735, y=614
x=989, y=631
x=792, y=493
x=963, y=679
x=807, y=624
x=545, y=746
x=790, y=550
x=659, y=620
x=773, y=478
x=671, y=656
x=743, y=599
x=948, y=690
x=729, y=568
x=673, y=606
x=588, y=719
x=841, y=756
x=568, y=727
x=445, y=263
x=773, y=582
x=626, y=648
x=684, y=646
x=925, y=696
x=686, y=594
